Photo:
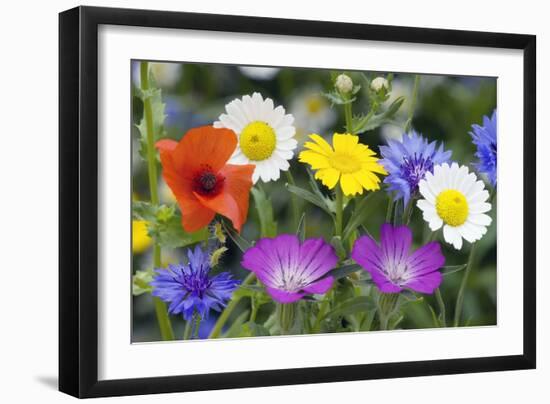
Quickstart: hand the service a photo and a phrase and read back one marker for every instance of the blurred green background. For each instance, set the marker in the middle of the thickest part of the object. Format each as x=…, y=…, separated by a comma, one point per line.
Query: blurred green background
x=447, y=106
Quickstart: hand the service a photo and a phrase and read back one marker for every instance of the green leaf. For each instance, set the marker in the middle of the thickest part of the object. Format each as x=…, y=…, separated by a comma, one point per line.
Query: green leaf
x=251, y=329
x=336, y=242
x=451, y=269
x=157, y=107
x=268, y=225
x=170, y=234
x=362, y=211
x=140, y=282
x=309, y=197
x=354, y=305
x=235, y=329
x=239, y=241
x=434, y=316
x=370, y=122
x=301, y=230
x=336, y=98
x=164, y=224
x=343, y=271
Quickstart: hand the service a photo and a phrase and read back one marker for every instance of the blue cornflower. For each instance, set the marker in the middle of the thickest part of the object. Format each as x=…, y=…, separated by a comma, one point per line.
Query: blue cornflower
x=408, y=161
x=190, y=288
x=485, y=139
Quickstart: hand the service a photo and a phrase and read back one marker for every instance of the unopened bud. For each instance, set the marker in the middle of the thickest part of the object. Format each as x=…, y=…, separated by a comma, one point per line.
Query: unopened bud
x=344, y=84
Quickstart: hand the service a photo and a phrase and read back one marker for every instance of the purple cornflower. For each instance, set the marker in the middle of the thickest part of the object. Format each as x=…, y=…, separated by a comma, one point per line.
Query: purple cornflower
x=408, y=161
x=485, y=139
x=290, y=270
x=190, y=288
x=394, y=267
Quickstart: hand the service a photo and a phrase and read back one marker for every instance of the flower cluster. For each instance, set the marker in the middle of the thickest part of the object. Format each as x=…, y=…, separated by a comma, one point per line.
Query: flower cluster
x=295, y=281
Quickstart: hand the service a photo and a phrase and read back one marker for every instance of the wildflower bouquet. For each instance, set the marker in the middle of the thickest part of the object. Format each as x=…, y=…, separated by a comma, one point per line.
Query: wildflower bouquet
x=253, y=220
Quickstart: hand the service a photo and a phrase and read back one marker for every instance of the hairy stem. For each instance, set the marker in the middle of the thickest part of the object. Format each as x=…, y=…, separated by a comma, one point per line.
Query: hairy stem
x=160, y=307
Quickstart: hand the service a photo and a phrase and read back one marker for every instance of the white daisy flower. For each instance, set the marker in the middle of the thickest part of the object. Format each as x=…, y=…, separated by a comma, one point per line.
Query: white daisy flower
x=312, y=111
x=266, y=135
x=455, y=199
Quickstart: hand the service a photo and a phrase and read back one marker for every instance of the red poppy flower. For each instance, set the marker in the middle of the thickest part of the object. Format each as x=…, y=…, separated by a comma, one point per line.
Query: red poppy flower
x=195, y=169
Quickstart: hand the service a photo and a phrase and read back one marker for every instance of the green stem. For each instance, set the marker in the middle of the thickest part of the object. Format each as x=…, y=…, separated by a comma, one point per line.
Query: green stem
x=216, y=331
x=412, y=107
x=339, y=211
x=286, y=313
x=441, y=305
x=187, y=330
x=407, y=213
x=349, y=118
x=160, y=307
x=321, y=314
x=389, y=209
x=196, y=326
x=293, y=200
x=387, y=305
x=460, y=296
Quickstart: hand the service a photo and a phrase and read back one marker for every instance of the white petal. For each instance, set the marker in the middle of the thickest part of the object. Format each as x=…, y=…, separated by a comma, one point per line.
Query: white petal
x=267, y=108
x=248, y=108
x=284, y=154
x=468, y=183
x=469, y=232
x=435, y=223
x=229, y=122
x=286, y=132
x=289, y=144
x=477, y=198
x=452, y=236
x=236, y=110
x=239, y=158
x=257, y=105
x=276, y=116
x=479, y=207
x=426, y=191
x=287, y=120
x=480, y=219
x=425, y=205
x=279, y=161
x=461, y=177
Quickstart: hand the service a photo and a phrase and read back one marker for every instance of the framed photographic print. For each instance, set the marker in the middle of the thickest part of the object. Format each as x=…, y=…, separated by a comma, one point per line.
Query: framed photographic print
x=251, y=201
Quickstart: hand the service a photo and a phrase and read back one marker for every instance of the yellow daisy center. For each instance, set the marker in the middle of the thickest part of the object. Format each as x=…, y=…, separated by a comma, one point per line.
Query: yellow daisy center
x=344, y=163
x=314, y=104
x=258, y=140
x=452, y=207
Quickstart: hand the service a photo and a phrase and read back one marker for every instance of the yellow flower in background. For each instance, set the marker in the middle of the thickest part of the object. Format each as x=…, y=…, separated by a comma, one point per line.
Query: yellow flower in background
x=140, y=238
x=349, y=161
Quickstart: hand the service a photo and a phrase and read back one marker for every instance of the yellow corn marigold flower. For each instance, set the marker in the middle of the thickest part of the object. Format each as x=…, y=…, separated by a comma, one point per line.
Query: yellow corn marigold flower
x=140, y=238
x=349, y=161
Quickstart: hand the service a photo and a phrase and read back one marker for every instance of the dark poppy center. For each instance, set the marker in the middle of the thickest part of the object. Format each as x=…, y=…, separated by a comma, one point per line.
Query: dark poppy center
x=207, y=182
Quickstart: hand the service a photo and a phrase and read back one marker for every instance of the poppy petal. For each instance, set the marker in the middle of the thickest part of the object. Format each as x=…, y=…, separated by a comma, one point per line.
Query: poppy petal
x=194, y=214
x=180, y=185
x=202, y=146
x=166, y=145
x=232, y=202
x=238, y=182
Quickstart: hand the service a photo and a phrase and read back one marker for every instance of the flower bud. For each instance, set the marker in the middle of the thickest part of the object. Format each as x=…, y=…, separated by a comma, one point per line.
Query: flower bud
x=344, y=84
x=379, y=83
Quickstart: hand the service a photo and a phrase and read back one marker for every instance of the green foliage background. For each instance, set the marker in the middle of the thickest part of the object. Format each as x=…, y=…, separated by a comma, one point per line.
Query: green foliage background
x=447, y=106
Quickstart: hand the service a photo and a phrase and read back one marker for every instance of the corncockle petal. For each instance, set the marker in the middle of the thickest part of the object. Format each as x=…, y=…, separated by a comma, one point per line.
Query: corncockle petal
x=393, y=266
x=290, y=269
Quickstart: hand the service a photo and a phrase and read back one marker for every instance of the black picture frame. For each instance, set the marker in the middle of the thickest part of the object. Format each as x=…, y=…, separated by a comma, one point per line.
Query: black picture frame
x=78, y=200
